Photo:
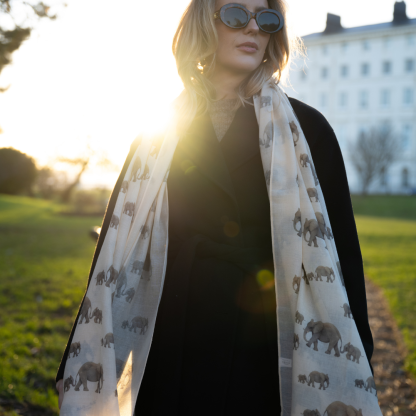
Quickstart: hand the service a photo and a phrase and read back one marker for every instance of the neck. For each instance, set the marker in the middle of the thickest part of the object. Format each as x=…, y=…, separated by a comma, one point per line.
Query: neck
x=226, y=82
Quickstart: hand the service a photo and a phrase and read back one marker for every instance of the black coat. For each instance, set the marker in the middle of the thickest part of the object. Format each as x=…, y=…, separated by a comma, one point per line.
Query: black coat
x=214, y=349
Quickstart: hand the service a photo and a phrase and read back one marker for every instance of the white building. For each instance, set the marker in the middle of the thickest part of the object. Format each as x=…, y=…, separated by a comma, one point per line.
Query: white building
x=365, y=77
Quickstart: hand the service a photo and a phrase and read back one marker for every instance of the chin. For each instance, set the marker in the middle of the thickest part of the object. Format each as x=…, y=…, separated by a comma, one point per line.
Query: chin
x=245, y=64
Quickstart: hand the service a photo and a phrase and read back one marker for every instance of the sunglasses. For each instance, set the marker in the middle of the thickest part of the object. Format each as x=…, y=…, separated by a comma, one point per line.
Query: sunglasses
x=236, y=16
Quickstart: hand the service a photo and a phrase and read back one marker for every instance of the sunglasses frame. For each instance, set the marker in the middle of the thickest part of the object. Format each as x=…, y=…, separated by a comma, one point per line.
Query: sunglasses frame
x=220, y=14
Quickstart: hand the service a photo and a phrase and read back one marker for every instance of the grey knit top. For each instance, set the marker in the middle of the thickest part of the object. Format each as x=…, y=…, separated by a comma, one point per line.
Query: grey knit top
x=222, y=115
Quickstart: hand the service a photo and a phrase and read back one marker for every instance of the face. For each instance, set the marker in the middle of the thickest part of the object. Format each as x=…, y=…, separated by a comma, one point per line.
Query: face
x=241, y=50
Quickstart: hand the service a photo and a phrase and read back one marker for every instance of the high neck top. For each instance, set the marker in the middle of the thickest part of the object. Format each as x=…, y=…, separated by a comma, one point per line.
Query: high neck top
x=222, y=113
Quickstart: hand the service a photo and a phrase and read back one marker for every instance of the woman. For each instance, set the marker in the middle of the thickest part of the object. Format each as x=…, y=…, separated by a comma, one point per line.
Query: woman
x=215, y=340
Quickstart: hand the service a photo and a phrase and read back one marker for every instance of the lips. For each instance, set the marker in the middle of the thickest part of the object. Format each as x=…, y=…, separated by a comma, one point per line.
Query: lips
x=249, y=47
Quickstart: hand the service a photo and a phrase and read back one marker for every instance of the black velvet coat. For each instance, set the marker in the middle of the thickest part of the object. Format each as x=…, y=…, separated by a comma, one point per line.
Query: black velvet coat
x=214, y=349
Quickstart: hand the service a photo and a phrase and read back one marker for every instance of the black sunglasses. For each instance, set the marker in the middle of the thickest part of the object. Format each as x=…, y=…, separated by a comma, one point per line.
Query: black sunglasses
x=236, y=16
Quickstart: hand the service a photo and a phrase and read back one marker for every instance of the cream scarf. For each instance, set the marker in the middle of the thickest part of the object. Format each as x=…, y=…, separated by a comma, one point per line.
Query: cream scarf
x=321, y=357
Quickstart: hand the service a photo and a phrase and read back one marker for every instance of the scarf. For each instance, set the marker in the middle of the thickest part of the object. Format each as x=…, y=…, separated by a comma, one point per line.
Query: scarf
x=322, y=364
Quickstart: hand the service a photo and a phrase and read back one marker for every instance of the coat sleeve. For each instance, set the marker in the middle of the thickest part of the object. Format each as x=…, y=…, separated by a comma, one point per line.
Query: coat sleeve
x=330, y=168
x=104, y=228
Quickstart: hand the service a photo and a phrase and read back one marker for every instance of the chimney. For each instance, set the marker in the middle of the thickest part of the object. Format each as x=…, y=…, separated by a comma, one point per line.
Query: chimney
x=333, y=23
x=399, y=14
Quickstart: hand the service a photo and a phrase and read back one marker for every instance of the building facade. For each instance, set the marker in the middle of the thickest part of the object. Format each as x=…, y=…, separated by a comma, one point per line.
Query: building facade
x=360, y=78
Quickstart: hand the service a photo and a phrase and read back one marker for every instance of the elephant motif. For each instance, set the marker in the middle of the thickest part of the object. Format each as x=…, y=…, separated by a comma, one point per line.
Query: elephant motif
x=97, y=314
x=296, y=341
x=347, y=310
x=322, y=225
x=125, y=324
x=313, y=193
x=86, y=306
x=129, y=208
x=324, y=271
x=302, y=378
x=90, y=372
x=317, y=377
x=265, y=101
x=352, y=351
x=324, y=332
x=147, y=267
x=140, y=323
x=296, y=284
x=100, y=278
x=146, y=174
x=129, y=294
x=295, y=132
x=137, y=167
x=314, y=229
x=114, y=221
x=124, y=187
x=299, y=318
x=308, y=412
x=340, y=273
x=68, y=383
x=370, y=384
x=304, y=160
x=341, y=409
x=137, y=267
x=74, y=348
x=107, y=340
x=310, y=276
x=296, y=220
x=144, y=231
x=112, y=275
x=268, y=132
x=121, y=283
x=267, y=176
x=359, y=383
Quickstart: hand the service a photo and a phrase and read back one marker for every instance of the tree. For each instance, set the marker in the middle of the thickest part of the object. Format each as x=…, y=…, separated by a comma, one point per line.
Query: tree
x=17, y=172
x=373, y=153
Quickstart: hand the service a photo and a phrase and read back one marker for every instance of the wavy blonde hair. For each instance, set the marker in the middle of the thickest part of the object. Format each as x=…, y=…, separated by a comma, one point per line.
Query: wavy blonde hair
x=194, y=46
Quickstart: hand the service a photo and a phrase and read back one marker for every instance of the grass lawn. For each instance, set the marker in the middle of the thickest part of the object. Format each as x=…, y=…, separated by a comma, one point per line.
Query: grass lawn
x=45, y=260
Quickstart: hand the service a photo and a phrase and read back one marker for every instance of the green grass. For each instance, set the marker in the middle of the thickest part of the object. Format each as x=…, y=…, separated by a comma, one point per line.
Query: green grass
x=45, y=260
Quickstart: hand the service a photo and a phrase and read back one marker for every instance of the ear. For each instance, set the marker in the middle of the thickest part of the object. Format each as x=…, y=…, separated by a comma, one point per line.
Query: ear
x=318, y=327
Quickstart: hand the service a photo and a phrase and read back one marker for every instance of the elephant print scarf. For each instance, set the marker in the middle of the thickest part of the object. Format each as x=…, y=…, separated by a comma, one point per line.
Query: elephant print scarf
x=321, y=356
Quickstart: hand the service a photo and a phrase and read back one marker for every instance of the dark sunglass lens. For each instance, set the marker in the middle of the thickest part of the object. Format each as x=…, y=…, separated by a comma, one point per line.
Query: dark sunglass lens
x=235, y=17
x=269, y=22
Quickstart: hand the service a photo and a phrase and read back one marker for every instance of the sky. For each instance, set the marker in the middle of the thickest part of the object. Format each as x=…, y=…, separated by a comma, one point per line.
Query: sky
x=104, y=71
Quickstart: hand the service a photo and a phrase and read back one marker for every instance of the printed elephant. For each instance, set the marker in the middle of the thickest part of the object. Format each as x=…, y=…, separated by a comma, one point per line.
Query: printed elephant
x=121, y=283
x=295, y=132
x=296, y=284
x=125, y=324
x=267, y=135
x=146, y=174
x=137, y=167
x=340, y=273
x=359, y=383
x=140, y=323
x=86, y=306
x=322, y=225
x=324, y=271
x=313, y=193
x=352, y=351
x=299, y=318
x=137, y=267
x=324, y=332
x=370, y=384
x=147, y=267
x=129, y=294
x=112, y=275
x=107, y=340
x=97, y=314
x=296, y=220
x=68, y=383
x=100, y=278
x=124, y=187
x=310, y=276
x=74, y=348
x=302, y=378
x=312, y=227
x=129, y=208
x=317, y=377
x=347, y=310
x=296, y=341
x=341, y=409
x=265, y=101
x=90, y=372
x=304, y=160
x=144, y=231
x=114, y=221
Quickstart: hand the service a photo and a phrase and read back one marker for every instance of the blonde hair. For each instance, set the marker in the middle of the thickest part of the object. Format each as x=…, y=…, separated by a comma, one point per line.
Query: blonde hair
x=194, y=46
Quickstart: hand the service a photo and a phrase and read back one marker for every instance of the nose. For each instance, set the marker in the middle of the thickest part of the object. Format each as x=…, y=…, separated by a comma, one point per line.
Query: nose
x=252, y=26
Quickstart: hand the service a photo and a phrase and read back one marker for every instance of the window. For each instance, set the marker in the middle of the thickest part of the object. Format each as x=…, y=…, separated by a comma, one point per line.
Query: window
x=405, y=177
x=406, y=136
x=323, y=100
x=365, y=69
x=411, y=40
x=409, y=65
x=324, y=72
x=386, y=67
x=343, y=99
x=385, y=98
x=366, y=45
x=408, y=96
x=363, y=100
x=344, y=71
